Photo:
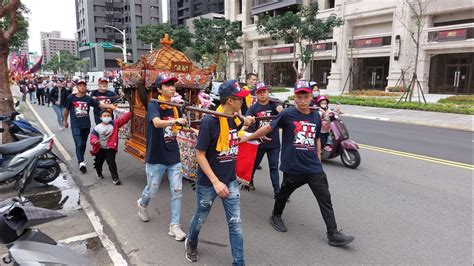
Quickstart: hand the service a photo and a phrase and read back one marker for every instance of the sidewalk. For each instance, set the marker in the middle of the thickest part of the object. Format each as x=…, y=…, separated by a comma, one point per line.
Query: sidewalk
x=422, y=118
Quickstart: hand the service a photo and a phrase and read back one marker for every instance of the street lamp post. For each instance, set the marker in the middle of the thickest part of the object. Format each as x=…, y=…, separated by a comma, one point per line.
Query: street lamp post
x=124, y=48
x=59, y=61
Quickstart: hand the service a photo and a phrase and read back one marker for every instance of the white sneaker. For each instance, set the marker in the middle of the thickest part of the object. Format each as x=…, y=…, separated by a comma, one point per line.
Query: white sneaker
x=61, y=128
x=83, y=167
x=142, y=212
x=177, y=232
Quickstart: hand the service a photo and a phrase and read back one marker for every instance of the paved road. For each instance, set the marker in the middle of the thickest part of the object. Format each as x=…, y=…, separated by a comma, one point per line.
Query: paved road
x=401, y=210
x=429, y=141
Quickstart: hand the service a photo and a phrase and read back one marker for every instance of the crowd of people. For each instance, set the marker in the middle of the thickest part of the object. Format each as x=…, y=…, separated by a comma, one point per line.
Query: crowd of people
x=218, y=138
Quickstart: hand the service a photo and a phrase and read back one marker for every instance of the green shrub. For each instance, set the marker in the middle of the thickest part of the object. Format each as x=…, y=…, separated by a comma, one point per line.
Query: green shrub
x=460, y=99
x=396, y=89
x=392, y=103
x=377, y=93
x=279, y=89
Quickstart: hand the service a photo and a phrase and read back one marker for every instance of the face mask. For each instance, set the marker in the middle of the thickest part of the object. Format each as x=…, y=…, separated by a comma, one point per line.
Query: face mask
x=315, y=94
x=106, y=119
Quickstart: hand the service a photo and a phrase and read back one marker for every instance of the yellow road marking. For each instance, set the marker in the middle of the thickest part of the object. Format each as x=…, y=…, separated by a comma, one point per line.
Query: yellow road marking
x=418, y=157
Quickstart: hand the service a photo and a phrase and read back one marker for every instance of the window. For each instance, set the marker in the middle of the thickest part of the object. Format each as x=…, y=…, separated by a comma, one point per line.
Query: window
x=138, y=8
x=139, y=20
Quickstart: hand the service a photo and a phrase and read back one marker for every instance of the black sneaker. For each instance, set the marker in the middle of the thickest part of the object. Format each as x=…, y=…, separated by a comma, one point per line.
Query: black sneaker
x=278, y=223
x=99, y=176
x=191, y=253
x=259, y=167
x=336, y=238
x=117, y=182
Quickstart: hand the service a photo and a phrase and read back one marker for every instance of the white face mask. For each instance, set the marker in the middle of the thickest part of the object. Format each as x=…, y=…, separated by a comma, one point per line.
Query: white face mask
x=315, y=94
x=106, y=119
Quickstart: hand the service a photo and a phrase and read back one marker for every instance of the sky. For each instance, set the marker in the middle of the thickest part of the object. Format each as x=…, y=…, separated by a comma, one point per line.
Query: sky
x=52, y=15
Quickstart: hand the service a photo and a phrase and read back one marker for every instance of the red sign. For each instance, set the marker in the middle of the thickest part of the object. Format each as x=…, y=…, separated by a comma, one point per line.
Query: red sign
x=450, y=35
x=317, y=47
x=281, y=50
x=371, y=42
x=181, y=67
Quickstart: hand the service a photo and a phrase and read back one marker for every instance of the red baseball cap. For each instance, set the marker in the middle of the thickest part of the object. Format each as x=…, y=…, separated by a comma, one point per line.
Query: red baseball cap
x=81, y=81
x=261, y=86
x=102, y=79
x=302, y=86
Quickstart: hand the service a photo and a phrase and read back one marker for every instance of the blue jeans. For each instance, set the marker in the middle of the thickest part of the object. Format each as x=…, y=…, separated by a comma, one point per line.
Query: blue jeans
x=154, y=176
x=272, y=156
x=32, y=96
x=80, y=136
x=205, y=196
x=59, y=110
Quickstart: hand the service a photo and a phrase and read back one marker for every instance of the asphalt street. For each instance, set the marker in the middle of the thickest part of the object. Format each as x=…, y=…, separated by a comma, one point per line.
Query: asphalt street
x=401, y=210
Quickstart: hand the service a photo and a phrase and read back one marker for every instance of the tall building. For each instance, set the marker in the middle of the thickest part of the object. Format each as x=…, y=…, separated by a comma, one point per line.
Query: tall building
x=374, y=41
x=52, y=43
x=93, y=15
x=180, y=10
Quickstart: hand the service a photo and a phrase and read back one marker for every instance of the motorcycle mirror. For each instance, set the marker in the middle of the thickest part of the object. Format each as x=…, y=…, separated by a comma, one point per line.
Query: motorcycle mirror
x=17, y=103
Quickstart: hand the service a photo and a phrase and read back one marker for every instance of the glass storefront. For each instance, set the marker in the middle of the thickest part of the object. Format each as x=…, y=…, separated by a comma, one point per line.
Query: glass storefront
x=371, y=73
x=320, y=71
x=279, y=74
x=452, y=74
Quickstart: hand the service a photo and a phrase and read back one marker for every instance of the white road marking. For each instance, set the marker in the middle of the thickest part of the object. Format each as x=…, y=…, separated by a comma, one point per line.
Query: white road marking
x=58, y=144
x=114, y=255
x=367, y=117
x=78, y=238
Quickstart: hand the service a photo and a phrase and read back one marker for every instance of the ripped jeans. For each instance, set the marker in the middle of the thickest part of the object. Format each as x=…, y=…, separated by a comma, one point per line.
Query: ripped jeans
x=205, y=196
x=154, y=176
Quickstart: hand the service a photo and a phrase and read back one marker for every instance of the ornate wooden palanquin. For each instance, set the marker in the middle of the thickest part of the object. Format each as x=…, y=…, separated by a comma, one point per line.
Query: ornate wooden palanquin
x=141, y=77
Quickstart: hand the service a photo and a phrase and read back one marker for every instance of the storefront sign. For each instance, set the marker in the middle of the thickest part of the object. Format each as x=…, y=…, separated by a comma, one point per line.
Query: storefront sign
x=451, y=35
x=280, y=50
x=372, y=42
x=316, y=47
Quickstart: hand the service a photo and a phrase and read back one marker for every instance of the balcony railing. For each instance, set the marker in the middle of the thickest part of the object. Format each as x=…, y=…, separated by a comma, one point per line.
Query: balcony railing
x=275, y=51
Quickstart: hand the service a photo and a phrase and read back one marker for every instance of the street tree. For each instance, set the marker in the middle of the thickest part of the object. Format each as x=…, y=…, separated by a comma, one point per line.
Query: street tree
x=83, y=66
x=151, y=34
x=214, y=37
x=65, y=63
x=300, y=28
x=416, y=14
x=13, y=32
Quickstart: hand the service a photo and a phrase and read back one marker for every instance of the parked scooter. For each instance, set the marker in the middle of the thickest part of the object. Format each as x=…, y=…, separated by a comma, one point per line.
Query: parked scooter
x=32, y=156
x=339, y=143
x=20, y=128
x=27, y=245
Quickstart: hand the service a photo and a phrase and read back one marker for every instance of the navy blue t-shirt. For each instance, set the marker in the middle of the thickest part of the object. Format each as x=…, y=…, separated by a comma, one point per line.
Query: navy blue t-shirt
x=161, y=144
x=222, y=163
x=299, y=148
x=259, y=110
x=79, y=108
x=100, y=94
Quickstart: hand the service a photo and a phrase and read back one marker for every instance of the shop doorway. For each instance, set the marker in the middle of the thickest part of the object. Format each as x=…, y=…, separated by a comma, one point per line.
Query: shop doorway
x=452, y=74
x=371, y=73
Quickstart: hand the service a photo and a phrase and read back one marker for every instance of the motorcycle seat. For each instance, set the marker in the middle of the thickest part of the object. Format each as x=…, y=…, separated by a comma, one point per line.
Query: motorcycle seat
x=19, y=146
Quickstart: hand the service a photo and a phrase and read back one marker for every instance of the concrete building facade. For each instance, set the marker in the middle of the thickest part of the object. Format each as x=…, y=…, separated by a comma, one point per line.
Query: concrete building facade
x=374, y=42
x=52, y=43
x=93, y=15
x=180, y=10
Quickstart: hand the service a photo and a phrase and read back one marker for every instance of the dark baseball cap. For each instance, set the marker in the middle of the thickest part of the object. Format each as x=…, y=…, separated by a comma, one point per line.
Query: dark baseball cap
x=302, y=86
x=164, y=78
x=232, y=88
x=261, y=86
